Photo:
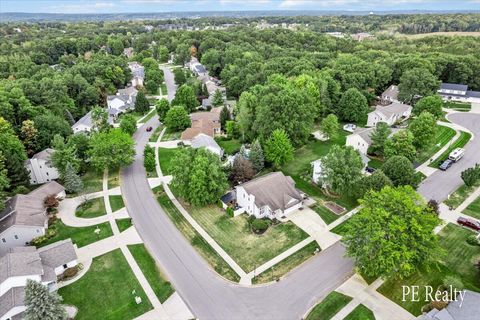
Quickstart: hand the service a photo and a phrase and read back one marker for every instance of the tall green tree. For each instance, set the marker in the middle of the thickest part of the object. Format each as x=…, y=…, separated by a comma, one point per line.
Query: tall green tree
x=71, y=180
x=64, y=154
x=28, y=134
x=14, y=155
x=162, y=106
x=379, y=136
x=341, y=169
x=278, y=148
x=41, y=304
x=100, y=119
x=49, y=125
x=353, y=106
x=185, y=96
x=417, y=83
x=376, y=182
x=256, y=156
x=224, y=117
x=217, y=99
x=177, y=118
x=149, y=158
x=431, y=104
x=400, y=171
x=141, y=103
x=128, y=124
x=4, y=182
x=392, y=234
x=400, y=144
x=203, y=181
x=423, y=129
x=179, y=76
x=330, y=126
x=113, y=149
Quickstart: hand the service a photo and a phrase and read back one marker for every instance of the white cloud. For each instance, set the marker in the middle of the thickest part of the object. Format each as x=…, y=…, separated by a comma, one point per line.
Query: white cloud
x=83, y=7
x=249, y=2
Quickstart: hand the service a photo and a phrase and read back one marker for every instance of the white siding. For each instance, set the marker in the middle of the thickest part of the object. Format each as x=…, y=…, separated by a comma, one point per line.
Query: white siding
x=13, y=312
x=60, y=269
x=357, y=142
x=13, y=282
x=41, y=172
x=81, y=128
x=18, y=236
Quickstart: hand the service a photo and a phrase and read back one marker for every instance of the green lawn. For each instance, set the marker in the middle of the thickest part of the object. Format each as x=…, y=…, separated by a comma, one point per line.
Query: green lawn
x=229, y=146
x=162, y=288
x=113, y=179
x=163, y=86
x=92, y=181
x=155, y=134
x=360, y=313
x=473, y=209
x=217, y=263
x=91, y=208
x=165, y=157
x=457, y=260
x=171, y=135
x=460, y=195
x=116, y=202
x=80, y=236
x=341, y=228
x=329, y=306
x=287, y=264
x=327, y=215
x=459, y=143
x=105, y=291
x=149, y=116
x=375, y=163
x=236, y=238
x=459, y=106
x=123, y=224
x=442, y=137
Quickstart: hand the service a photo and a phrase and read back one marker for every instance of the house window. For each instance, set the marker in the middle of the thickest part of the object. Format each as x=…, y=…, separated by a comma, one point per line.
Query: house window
x=3, y=240
x=38, y=231
x=46, y=173
x=65, y=266
x=16, y=237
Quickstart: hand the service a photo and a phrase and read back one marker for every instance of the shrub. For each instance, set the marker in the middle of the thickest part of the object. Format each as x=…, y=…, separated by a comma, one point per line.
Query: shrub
x=70, y=273
x=149, y=158
x=473, y=240
x=470, y=176
x=21, y=190
x=433, y=205
x=230, y=212
x=260, y=225
x=453, y=281
x=50, y=202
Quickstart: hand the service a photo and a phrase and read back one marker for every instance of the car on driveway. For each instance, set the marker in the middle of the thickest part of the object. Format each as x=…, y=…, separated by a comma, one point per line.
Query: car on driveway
x=470, y=223
x=446, y=164
x=149, y=129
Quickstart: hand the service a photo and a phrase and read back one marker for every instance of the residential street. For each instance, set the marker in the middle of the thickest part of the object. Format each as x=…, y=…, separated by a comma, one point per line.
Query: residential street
x=442, y=183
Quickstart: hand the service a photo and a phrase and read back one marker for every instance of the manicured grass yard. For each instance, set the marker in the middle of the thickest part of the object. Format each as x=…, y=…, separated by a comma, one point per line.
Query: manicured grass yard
x=457, y=260
x=459, y=143
x=113, y=179
x=123, y=224
x=460, y=195
x=171, y=135
x=162, y=288
x=229, y=146
x=375, y=163
x=327, y=215
x=217, y=263
x=165, y=157
x=236, y=238
x=473, y=209
x=92, y=181
x=80, y=236
x=459, y=106
x=442, y=137
x=163, y=87
x=329, y=306
x=360, y=313
x=116, y=202
x=287, y=264
x=91, y=208
x=155, y=134
x=105, y=291
x=149, y=116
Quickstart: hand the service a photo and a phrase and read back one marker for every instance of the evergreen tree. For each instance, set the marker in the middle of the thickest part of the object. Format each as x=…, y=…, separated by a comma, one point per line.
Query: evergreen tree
x=217, y=98
x=141, y=103
x=14, y=155
x=71, y=180
x=379, y=136
x=224, y=117
x=256, y=156
x=42, y=304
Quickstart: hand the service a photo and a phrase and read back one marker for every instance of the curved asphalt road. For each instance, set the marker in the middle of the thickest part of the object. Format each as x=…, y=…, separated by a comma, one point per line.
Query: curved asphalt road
x=442, y=183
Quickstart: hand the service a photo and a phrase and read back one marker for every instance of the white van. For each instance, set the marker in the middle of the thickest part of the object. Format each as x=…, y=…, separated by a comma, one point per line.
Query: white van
x=456, y=154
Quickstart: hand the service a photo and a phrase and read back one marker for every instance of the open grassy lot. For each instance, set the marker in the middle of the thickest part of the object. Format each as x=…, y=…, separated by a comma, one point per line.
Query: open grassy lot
x=217, y=263
x=460, y=195
x=457, y=260
x=116, y=202
x=80, y=236
x=360, y=313
x=105, y=291
x=91, y=208
x=329, y=306
x=442, y=137
x=287, y=264
x=165, y=158
x=171, y=135
x=113, y=179
x=234, y=235
x=92, y=181
x=229, y=146
x=155, y=134
x=473, y=209
x=459, y=106
x=162, y=288
x=459, y=143
x=123, y=224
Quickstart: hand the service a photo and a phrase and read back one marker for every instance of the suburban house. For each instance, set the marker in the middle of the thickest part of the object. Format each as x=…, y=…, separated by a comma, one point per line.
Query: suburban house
x=361, y=36
x=466, y=309
x=84, y=124
x=317, y=171
x=458, y=92
x=389, y=114
x=270, y=196
x=197, y=68
x=123, y=101
x=390, y=95
x=213, y=85
x=40, y=167
x=42, y=265
x=128, y=52
x=25, y=216
x=207, y=122
x=138, y=73
x=207, y=142
x=360, y=139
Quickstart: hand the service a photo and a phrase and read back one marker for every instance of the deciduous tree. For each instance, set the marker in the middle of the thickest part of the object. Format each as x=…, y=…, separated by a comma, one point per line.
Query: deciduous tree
x=341, y=169
x=353, y=106
x=278, y=148
x=185, y=96
x=400, y=171
x=217, y=99
x=162, y=106
x=242, y=170
x=431, y=104
x=177, y=118
x=330, y=126
x=400, y=144
x=417, y=83
x=14, y=155
x=112, y=149
x=128, y=124
x=423, y=129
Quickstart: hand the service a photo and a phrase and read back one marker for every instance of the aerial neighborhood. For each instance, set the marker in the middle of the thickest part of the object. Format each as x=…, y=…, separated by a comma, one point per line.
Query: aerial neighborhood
x=259, y=164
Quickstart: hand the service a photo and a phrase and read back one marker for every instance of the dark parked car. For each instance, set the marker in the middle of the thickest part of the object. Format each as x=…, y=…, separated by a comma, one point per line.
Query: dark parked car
x=470, y=223
x=149, y=129
x=446, y=164
x=370, y=169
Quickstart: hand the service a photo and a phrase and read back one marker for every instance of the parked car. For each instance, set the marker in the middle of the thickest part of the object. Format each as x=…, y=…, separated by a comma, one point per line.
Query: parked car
x=470, y=223
x=370, y=169
x=149, y=129
x=446, y=164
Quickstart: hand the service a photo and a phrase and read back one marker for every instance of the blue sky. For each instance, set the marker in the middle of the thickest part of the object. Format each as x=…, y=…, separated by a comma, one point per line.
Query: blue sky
x=121, y=6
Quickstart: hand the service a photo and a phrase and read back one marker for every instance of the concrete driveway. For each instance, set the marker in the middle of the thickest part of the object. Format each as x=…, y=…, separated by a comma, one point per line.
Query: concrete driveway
x=442, y=183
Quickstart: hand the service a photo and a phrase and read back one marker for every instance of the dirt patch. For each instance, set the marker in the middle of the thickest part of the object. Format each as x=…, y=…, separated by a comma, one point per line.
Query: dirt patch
x=334, y=207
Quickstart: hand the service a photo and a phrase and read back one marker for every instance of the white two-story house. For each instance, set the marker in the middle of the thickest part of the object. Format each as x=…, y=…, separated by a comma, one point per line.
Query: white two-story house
x=270, y=196
x=40, y=168
x=390, y=114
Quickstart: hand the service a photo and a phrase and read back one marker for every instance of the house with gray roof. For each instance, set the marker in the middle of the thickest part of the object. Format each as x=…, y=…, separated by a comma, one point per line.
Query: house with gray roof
x=24, y=216
x=138, y=73
x=389, y=114
x=122, y=102
x=84, y=124
x=466, y=309
x=207, y=142
x=270, y=196
x=390, y=95
x=458, y=92
x=360, y=139
x=40, y=168
x=42, y=265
